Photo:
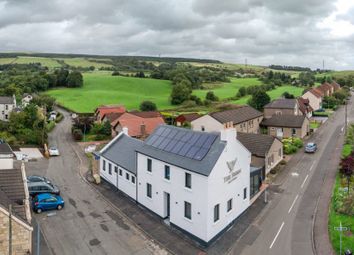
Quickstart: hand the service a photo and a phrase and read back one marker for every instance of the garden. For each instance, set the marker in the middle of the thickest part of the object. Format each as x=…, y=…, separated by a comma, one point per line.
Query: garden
x=292, y=145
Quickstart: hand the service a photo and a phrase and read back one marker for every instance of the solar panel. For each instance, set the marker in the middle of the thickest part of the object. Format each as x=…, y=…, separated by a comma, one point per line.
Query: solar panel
x=158, y=141
x=171, y=145
x=166, y=132
x=193, y=150
x=152, y=139
x=194, y=138
x=177, y=147
x=186, y=137
x=160, y=130
x=200, y=154
x=201, y=140
x=172, y=133
x=164, y=143
x=186, y=147
x=179, y=135
x=209, y=142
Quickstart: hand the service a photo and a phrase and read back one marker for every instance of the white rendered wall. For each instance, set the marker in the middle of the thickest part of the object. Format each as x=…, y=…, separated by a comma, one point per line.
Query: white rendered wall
x=6, y=163
x=209, y=123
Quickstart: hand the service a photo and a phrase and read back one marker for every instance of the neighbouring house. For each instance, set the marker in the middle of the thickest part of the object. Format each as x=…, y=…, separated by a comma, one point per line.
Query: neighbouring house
x=14, y=205
x=111, y=117
x=315, y=98
x=282, y=106
x=326, y=89
x=186, y=118
x=102, y=110
x=244, y=118
x=305, y=107
x=138, y=126
x=197, y=181
x=26, y=99
x=266, y=150
x=7, y=105
x=6, y=156
x=335, y=86
x=284, y=126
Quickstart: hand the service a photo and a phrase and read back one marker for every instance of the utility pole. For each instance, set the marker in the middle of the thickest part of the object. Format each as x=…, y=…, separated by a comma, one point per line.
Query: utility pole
x=10, y=229
x=340, y=229
x=246, y=62
x=323, y=65
x=38, y=238
x=346, y=117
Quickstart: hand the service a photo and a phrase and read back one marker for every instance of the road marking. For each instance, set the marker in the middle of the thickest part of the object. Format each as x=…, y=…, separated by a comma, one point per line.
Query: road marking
x=313, y=164
x=303, y=183
x=294, y=174
x=276, y=236
x=292, y=205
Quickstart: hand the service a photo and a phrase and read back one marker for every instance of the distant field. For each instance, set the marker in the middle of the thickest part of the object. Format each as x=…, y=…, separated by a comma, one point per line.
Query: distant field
x=274, y=94
x=338, y=74
x=228, y=89
x=49, y=62
x=83, y=62
x=102, y=88
x=4, y=61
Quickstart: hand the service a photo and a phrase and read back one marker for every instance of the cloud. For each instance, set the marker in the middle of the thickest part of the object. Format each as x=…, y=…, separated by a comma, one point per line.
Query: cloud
x=302, y=32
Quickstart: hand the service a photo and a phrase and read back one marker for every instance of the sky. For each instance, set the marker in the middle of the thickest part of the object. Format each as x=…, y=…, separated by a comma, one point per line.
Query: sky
x=285, y=32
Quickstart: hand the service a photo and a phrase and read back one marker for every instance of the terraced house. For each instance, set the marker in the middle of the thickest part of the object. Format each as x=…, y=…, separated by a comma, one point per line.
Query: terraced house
x=7, y=105
x=198, y=182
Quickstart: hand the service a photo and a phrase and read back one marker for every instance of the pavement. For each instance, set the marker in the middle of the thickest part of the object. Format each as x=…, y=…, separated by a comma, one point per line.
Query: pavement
x=88, y=224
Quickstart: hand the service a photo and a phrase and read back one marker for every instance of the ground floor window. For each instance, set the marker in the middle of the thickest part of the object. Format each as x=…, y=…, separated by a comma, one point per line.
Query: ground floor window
x=244, y=193
x=148, y=190
x=187, y=210
x=133, y=179
x=229, y=205
x=255, y=181
x=120, y=172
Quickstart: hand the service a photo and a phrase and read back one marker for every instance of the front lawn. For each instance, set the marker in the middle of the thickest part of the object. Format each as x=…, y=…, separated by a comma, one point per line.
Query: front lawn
x=347, y=149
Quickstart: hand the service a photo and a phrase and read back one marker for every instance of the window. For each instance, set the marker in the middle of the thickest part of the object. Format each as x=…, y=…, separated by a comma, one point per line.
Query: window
x=167, y=172
x=104, y=165
x=127, y=176
x=187, y=210
x=216, y=213
x=148, y=190
x=293, y=131
x=133, y=179
x=229, y=205
x=116, y=169
x=203, y=128
x=110, y=168
x=188, y=180
x=6, y=116
x=6, y=107
x=244, y=193
x=279, y=152
x=149, y=165
x=120, y=172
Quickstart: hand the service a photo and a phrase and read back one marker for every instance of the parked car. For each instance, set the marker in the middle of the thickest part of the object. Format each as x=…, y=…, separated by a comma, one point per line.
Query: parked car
x=35, y=188
x=311, y=148
x=37, y=178
x=46, y=201
x=53, y=151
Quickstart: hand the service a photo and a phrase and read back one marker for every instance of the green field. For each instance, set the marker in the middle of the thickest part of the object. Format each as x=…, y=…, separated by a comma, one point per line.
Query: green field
x=275, y=93
x=226, y=90
x=4, y=61
x=83, y=62
x=48, y=62
x=102, y=88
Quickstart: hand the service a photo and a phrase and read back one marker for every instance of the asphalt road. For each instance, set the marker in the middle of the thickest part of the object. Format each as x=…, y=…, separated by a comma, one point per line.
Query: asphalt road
x=88, y=224
x=286, y=226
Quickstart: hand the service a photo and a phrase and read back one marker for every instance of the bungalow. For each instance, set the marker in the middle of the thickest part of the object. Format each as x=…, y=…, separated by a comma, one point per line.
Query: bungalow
x=199, y=182
x=14, y=205
x=7, y=105
x=186, y=118
x=305, y=107
x=315, y=97
x=282, y=106
x=284, y=126
x=102, y=110
x=138, y=126
x=244, y=119
x=266, y=150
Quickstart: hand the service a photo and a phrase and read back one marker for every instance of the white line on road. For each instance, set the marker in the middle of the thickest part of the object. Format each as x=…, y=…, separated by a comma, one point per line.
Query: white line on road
x=303, y=183
x=276, y=236
x=313, y=164
x=292, y=205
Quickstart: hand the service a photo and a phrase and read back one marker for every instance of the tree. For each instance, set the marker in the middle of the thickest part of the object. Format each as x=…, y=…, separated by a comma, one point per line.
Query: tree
x=180, y=93
x=75, y=79
x=259, y=100
x=147, y=106
x=288, y=95
x=62, y=76
x=211, y=96
x=44, y=101
x=140, y=74
x=347, y=168
x=241, y=92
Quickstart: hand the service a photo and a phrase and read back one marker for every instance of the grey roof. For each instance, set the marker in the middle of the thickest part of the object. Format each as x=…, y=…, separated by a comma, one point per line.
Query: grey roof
x=281, y=103
x=122, y=152
x=180, y=140
x=237, y=115
x=257, y=144
x=5, y=149
x=6, y=100
x=291, y=121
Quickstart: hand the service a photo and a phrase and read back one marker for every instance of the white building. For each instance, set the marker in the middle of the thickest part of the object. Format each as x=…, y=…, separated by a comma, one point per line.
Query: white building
x=198, y=181
x=7, y=105
x=26, y=99
x=6, y=156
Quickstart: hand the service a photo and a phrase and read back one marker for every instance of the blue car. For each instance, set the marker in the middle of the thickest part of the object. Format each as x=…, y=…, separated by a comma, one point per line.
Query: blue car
x=46, y=201
x=311, y=148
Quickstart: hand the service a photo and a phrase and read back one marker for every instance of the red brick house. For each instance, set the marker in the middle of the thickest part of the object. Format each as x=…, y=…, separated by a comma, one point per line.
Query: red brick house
x=186, y=118
x=106, y=109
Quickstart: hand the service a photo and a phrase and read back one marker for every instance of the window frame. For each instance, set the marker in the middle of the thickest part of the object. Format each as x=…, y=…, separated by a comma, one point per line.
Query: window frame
x=245, y=193
x=127, y=176
x=167, y=169
x=229, y=205
x=149, y=165
x=187, y=210
x=103, y=165
x=187, y=184
x=216, y=213
x=148, y=190
x=120, y=172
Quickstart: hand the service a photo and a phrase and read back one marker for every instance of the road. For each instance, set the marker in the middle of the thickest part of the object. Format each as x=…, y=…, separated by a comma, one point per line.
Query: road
x=88, y=224
x=286, y=226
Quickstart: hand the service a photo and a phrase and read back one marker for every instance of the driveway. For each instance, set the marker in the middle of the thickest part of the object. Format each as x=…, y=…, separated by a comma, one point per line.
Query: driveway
x=88, y=224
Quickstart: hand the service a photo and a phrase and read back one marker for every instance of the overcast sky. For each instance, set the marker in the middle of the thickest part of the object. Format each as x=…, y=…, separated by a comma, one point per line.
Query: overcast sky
x=287, y=32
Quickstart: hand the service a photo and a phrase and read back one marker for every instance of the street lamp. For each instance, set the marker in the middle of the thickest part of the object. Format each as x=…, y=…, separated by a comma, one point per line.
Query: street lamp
x=340, y=229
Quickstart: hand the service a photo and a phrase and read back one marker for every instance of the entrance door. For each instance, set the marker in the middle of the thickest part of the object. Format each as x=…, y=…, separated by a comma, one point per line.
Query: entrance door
x=167, y=204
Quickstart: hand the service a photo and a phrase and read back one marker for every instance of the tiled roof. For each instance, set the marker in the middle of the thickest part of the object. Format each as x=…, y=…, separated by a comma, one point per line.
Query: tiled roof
x=102, y=110
x=291, y=121
x=150, y=114
x=258, y=144
x=188, y=117
x=6, y=100
x=237, y=115
x=112, y=116
x=304, y=105
x=316, y=92
x=281, y=103
x=12, y=191
x=5, y=149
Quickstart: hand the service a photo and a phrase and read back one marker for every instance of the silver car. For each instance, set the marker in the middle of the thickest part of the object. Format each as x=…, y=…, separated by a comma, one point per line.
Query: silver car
x=35, y=188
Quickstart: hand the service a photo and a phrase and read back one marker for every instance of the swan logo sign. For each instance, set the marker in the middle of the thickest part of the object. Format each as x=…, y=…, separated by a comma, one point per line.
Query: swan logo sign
x=233, y=173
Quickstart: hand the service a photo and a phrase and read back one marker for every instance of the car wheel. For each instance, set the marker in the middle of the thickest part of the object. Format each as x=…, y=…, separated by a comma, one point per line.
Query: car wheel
x=39, y=210
x=59, y=207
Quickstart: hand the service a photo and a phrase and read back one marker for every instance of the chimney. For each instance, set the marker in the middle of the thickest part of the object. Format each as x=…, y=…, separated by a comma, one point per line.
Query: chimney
x=228, y=133
x=125, y=130
x=143, y=129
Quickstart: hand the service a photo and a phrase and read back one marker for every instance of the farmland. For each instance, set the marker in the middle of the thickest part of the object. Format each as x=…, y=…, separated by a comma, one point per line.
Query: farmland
x=83, y=62
x=102, y=88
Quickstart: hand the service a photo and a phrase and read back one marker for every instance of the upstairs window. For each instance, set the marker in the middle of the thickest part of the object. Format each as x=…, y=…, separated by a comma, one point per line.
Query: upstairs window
x=187, y=210
x=148, y=190
x=167, y=172
x=216, y=212
x=104, y=165
x=188, y=180
x=149, y=165
x=110, y=168
x=229, y=205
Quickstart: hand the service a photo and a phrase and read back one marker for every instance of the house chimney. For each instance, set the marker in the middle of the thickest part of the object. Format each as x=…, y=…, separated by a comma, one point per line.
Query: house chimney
x=125, y=130
x=143, y=129
x=228, y=133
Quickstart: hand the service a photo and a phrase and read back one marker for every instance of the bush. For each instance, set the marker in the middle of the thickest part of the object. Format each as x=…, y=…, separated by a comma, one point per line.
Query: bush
x=147, y=106
x=211, y=96
x=77, y=134
x=100, y=137
x=298, y=142
x=50, y=126
x=59, y=117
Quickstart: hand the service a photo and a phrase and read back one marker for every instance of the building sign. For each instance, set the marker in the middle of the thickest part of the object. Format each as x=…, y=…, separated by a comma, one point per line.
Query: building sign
x=233, y=173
